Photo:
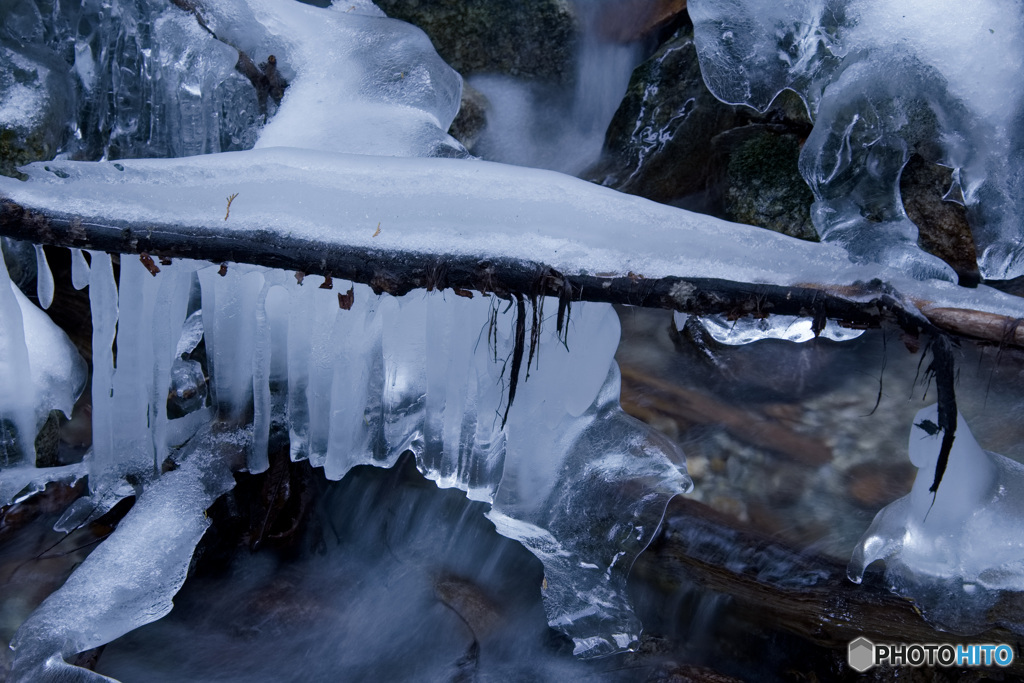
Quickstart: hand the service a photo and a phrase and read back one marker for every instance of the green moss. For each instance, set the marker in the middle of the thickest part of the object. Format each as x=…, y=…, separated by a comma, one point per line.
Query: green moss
x=527, y=38
x=765, y=187
x=17, y=150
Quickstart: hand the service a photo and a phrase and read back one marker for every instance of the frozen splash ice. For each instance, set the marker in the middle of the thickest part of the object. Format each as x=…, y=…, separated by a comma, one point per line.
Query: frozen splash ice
x=750, y=329
x=955, y=557
x=884, y=80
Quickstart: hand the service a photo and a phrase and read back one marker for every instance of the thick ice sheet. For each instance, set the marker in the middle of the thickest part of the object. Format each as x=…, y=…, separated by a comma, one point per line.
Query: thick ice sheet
x=884, y=80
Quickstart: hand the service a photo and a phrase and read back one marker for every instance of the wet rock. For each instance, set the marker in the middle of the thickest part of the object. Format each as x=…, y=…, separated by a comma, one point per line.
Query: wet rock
x=530, y=39
x=625, y=21
x=672, y=141
x=20, y=258
x=48, y=440
x=472, y=117
x=943, y=226
x=873, y=485
x=659, y=141
x=470, y=602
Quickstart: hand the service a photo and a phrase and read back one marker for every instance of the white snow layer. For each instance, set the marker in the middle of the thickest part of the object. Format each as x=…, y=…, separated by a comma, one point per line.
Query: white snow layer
x=952, y=554
x=883, y=80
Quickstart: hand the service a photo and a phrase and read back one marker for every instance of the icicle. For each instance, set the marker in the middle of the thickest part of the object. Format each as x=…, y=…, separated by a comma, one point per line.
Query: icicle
x=261, y=371
x=300, y=320
x=79, y=269
x=44, y=278
x=132, y=396
x=405, y=374
x=456, y=344
x=103, y=301
x=17, y=406
x=323, y=354
x=168, y=317
x=357, y=386
x=229, y=323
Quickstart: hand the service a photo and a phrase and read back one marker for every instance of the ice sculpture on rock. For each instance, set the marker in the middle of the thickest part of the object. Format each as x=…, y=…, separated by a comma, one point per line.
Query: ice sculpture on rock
x=39, y=360
x=957, y=552
x=883, y=80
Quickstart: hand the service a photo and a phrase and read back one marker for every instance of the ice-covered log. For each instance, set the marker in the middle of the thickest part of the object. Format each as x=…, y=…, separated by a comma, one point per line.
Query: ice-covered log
x=402, y=224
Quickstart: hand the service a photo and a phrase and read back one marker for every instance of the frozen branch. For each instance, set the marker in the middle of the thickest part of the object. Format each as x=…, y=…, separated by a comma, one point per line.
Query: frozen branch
x=865, y=305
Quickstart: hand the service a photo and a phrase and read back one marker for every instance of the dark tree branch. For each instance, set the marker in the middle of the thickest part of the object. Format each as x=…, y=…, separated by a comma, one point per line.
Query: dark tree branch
x=862, y=305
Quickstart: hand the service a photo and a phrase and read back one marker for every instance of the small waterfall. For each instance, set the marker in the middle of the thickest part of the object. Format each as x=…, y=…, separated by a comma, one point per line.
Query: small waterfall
x=560, y=127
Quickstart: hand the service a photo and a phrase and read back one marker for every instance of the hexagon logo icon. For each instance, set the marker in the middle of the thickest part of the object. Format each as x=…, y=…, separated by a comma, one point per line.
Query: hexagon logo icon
x=861, y=655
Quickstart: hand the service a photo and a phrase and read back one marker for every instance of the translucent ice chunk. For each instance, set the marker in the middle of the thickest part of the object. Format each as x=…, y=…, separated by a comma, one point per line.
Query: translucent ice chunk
x=79, y=269
x=358, y=81
x=954, y=553
x=749, y=329
x=18, y=483
x=188, y=386
x=884, y=80
x=44, y=279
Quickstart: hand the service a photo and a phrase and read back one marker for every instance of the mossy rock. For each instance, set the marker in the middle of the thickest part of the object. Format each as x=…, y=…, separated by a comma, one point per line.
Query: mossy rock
x=672, y=141
x=472, y=117
x=527, y=39
x=764, y=186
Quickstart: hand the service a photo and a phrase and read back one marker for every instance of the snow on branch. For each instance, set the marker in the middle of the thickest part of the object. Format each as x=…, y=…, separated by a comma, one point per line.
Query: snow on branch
x=470, y=226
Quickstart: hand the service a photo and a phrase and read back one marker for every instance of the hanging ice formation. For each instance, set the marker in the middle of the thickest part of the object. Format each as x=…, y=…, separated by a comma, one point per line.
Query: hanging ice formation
x=955, y=554
x=883, y=80
x=353, y=377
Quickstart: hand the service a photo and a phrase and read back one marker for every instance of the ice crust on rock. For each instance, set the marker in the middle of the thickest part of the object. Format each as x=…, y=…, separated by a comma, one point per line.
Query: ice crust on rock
x=125, y=79
x=136, y=79
x=884, y=80
x=955, y=557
